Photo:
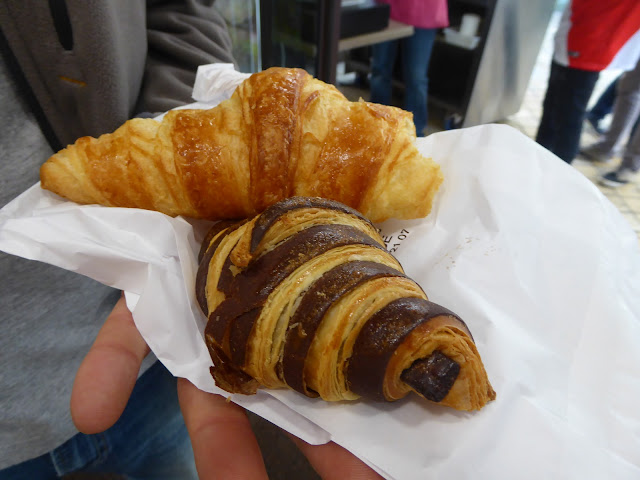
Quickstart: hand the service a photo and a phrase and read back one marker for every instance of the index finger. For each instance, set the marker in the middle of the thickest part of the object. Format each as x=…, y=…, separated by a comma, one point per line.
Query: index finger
x=108, y=373
x=332, y=462
x=224, y=445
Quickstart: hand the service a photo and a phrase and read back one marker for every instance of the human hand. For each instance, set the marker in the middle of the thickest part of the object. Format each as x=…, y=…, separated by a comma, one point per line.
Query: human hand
x=223, y=442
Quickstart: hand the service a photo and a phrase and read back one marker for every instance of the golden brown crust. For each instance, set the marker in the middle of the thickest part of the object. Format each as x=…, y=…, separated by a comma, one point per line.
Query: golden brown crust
x=305, y=296
x=281, y=134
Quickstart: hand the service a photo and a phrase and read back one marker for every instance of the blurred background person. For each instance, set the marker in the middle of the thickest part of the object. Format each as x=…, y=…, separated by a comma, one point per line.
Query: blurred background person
x=625, y=114
x=623, y=137
x=426, y=16
x=602, y=108
x=590, y=36
x=629, y=167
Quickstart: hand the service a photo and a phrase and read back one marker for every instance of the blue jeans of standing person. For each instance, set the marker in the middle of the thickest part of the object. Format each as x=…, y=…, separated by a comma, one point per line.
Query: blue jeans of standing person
x=564, y=110
x=416, y=52
x=604, y=105
x=149, y=441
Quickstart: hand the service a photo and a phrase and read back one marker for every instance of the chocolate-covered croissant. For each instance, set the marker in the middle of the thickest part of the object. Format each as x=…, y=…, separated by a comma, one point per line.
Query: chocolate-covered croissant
x=282, y=133
x=306, y=296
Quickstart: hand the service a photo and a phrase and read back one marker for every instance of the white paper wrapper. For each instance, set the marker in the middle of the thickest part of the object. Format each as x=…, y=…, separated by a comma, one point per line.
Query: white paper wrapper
x=541, y=266
x=216, y=82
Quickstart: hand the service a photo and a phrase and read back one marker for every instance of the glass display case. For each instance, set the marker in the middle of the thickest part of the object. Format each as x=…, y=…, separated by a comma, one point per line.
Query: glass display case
x=243, y=21
x=301, y=33
x=311, y=34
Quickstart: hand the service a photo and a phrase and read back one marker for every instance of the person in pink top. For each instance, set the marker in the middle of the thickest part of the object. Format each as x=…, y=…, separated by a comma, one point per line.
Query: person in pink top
x=426, y=16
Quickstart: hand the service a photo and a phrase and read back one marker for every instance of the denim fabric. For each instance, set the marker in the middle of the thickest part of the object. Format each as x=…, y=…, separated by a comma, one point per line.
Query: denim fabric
x=149, y=441
x=416, y=53
x=604, y=105
x=564, y=110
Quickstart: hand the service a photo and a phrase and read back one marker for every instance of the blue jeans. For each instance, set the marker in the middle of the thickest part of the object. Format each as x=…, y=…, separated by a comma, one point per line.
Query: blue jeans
x=149, y=441
x=604, y=105
x=564, y=110
x=416, y=52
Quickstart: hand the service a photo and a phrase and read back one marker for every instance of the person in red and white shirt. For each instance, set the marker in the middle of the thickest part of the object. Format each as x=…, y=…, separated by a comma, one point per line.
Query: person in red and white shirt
x=592, y=36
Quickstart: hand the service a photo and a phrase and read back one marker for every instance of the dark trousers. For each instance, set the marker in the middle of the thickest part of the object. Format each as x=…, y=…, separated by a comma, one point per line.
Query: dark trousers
x=604, y=105
x=416, y=53
x=564, y=109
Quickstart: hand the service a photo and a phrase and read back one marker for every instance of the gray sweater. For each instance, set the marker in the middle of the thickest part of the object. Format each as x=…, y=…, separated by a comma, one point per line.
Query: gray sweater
x=92, y=64
x=123, y=59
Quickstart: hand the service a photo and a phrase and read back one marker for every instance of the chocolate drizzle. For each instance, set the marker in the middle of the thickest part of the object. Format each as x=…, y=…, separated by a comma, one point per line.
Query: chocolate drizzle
x=227, y=376
x=213, y=231
x=314, y=304
x=207, y=251
x=381, y=336
x=274, y=212
x=248, y=290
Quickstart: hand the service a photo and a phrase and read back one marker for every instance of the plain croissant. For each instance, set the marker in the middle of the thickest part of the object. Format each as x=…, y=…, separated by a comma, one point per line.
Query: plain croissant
x=305, y=296
x=282, y=133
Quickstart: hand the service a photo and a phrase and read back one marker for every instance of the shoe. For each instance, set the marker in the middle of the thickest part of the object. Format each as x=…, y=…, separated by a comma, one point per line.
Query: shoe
x=617, y=178
x=595, y=153
x=593, y=126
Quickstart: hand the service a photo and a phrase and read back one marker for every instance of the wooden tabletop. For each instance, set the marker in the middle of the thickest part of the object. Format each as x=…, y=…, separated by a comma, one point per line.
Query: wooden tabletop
x=393, y=31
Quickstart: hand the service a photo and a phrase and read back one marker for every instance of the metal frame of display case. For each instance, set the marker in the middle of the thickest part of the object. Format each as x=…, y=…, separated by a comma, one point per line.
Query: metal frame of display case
x=325, y=48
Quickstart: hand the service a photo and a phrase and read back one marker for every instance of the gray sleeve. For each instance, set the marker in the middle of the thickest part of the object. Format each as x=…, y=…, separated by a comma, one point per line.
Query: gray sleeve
x=181, y=35
x=83, y=60
x=93, y=64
